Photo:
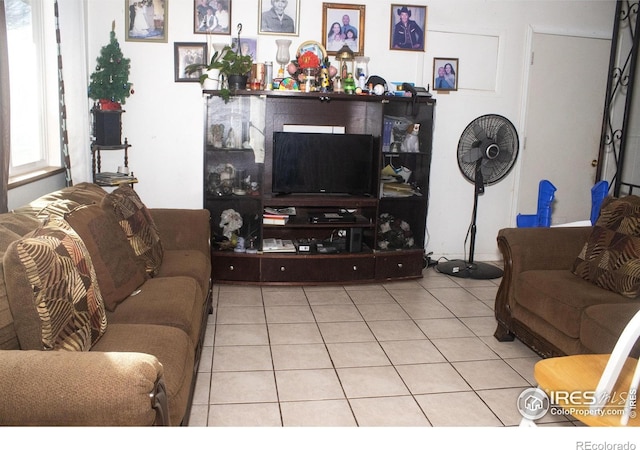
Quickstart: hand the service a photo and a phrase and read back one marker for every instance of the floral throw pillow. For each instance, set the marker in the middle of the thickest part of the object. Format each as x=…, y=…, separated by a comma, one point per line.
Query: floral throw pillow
x=53, y=291
x=137, y=223
x=610, y=258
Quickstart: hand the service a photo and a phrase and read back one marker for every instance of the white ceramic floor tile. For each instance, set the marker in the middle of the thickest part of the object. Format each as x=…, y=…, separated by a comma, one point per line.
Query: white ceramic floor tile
x=242, y=358
x=366, y=297
x=318, y=413
x=294, y=333
x=242, y=334
x=402, y=411
x=464, y=349
x=336, y=313
x=245, y=415
x=357, y=354
x=234, y=315
x=329, y=297
x=243, y=387
x=300, y=356
x=286, y=298
x=457, y=409
x=383, y=311
x=346, y=332
x=371, y=382
x=444, y=328
x=240, y=298
x=491, y=374
x=314, y=384
x=412, y=352
x=396, y=330
x=431, y=378
x=289, y=314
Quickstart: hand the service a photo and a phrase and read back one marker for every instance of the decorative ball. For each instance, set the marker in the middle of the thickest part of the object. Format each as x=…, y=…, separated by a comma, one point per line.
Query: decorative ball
x=292, y=69
x=332, y=71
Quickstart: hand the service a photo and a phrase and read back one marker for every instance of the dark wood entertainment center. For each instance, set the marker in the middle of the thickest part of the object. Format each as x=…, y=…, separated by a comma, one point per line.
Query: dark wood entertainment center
x=238, y=153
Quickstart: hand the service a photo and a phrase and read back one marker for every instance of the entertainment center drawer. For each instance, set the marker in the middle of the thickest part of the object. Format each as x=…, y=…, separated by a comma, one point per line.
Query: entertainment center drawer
x=229, y=266
x=316, y=268
x=404, y=264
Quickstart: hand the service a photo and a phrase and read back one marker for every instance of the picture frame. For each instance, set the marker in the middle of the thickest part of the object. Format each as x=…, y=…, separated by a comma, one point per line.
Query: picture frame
x=146, y=20
x=279, y=17
x=443, y=79
x=343, y=16
x=218, y=21
x=408, y=31
x=185, y=53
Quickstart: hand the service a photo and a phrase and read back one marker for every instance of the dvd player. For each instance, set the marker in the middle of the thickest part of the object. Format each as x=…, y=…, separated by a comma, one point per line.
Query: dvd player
x=332, y=217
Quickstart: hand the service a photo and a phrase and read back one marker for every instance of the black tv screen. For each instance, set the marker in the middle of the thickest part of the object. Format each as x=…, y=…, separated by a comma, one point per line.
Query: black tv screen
x=319, y=163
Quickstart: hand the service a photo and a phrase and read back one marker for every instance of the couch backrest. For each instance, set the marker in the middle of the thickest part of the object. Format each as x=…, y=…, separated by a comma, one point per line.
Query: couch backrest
x=27, y=218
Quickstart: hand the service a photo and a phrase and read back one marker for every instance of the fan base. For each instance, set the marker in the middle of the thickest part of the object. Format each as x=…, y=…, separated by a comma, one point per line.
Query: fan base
x=462, y=269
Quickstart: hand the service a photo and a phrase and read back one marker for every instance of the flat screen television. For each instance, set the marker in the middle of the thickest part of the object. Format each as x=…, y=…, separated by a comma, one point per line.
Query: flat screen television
x=319, y=163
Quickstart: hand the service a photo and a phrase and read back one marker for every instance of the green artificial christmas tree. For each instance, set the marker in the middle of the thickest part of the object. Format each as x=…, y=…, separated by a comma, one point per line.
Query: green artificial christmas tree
x=110, y=81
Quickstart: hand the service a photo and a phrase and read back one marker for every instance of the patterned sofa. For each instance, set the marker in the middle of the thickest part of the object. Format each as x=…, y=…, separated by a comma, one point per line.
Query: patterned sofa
x=103, y=309
x=571, y=290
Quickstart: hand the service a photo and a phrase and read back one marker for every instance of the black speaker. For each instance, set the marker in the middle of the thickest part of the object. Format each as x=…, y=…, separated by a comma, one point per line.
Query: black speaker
x=108, y=127
x=354, y=240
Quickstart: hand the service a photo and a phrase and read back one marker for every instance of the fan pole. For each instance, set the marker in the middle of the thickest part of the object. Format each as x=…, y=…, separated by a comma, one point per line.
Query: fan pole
x=462, y=269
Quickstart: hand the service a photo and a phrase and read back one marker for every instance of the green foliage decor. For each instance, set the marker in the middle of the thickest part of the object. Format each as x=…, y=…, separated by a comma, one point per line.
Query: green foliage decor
x=110, y=80
x=228, y=62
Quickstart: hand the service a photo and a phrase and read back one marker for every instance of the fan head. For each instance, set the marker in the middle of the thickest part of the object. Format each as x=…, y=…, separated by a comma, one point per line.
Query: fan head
x=488, y=147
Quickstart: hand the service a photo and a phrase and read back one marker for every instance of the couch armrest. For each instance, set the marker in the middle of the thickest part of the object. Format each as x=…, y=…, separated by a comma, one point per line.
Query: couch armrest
x=532, y=249
x=59, y=388
x=183, y=229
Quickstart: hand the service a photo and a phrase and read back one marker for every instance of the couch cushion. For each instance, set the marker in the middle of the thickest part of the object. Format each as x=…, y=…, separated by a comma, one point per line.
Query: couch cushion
x=137, y=223
x=610, y=258
x=172, y=301
x=191, y=263
x=559, y=297
x=118, y=270
x=602, y=325
x=170, y=345
x=52, y=289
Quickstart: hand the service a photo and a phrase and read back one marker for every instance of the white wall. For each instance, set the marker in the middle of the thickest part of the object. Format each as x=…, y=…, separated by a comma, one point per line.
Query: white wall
x=164, y=119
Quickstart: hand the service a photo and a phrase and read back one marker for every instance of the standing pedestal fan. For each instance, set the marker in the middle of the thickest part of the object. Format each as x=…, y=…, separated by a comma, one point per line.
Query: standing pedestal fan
x=487, y=151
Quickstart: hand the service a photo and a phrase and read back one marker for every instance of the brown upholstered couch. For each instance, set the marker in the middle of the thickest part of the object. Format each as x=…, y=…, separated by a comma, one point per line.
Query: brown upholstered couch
x=542, y=303
x=141, y=369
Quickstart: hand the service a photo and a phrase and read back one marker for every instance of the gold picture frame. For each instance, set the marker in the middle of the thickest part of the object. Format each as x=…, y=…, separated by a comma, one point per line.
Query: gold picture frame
x=344, y=16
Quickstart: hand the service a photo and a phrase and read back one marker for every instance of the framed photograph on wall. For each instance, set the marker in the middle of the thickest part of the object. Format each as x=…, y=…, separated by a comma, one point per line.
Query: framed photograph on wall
x=445, y=74
x=279, y=17
x=211, y=16
x=146, y=20
x=185, y=53
x=343, y=24
x=408, y=27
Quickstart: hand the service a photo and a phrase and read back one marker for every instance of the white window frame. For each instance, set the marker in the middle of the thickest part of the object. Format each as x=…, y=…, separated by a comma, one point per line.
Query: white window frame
x=46, y=120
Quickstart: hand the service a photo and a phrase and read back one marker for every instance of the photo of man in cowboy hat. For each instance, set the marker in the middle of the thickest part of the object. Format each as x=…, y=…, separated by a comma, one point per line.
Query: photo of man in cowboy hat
x=407, y=34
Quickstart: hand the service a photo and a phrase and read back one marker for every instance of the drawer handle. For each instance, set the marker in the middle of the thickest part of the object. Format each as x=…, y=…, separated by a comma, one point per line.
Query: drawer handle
x=282, y=269
x=355, y=267
x=399, y=265
x=231, y=268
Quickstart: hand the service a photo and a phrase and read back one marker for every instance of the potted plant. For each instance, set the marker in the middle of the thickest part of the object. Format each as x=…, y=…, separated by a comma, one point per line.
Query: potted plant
x=231, y=65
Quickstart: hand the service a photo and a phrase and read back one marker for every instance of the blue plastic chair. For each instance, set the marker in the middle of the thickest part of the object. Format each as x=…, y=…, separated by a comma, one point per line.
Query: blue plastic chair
x=598, y=193
x=546, y=193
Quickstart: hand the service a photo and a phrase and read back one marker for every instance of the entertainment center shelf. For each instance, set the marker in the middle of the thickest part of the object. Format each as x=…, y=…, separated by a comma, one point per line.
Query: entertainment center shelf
x=367, y=225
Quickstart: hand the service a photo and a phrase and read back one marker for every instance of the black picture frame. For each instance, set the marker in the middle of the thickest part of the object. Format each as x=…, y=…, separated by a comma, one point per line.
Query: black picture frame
x=221, y=17
x=268, y=23
x=411, y=36
x=185, y=53
x=444, y=80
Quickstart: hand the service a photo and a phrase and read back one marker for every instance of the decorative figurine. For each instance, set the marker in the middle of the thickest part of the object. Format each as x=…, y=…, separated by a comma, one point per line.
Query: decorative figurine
x=230, y=222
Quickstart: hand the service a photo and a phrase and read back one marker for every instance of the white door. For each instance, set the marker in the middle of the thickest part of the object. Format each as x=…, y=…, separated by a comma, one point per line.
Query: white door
x=565, y=102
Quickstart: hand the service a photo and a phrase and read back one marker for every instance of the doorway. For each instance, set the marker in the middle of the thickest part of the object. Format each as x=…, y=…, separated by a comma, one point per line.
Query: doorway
x=567, y=81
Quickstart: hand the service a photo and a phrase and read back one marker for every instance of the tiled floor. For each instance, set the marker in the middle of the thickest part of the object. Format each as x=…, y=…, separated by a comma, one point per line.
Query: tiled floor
x=415, y=353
